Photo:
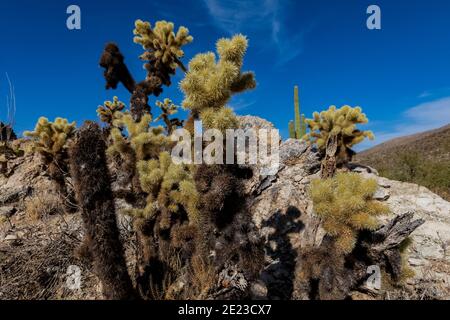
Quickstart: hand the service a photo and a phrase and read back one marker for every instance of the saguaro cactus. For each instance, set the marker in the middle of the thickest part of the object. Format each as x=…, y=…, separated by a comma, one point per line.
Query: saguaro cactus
x=297, y=128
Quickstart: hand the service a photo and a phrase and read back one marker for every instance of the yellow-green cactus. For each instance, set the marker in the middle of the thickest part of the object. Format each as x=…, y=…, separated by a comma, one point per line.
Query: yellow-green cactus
x=345, y=204
x=50, y=138
x=143, y=140
x=107, y=112
x=169, y=186
x=161, y=42
x=338, y=122
x=168, y=108
x=210, y=83
x=221, y=119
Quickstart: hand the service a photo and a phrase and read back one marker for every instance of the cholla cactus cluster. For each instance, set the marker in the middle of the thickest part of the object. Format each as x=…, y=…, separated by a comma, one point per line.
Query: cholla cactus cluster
x=163, y=46
x=50, y=138
x=345, y=204
x=109, y=111
x=209, y=84
x=338, y=122
x=170, y=188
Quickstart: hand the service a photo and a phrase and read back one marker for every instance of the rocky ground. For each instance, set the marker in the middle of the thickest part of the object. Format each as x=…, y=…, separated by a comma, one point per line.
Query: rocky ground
x=38, y=240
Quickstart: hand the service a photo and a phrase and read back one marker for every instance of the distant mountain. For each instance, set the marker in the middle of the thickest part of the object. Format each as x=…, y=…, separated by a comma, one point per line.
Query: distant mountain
x=422, y=158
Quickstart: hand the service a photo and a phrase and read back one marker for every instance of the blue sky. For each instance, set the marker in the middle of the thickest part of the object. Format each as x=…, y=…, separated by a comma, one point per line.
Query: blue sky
x=399, y=75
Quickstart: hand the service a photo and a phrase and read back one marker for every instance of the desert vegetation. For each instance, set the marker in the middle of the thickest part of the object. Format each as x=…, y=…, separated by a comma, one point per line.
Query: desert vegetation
x=193, y=236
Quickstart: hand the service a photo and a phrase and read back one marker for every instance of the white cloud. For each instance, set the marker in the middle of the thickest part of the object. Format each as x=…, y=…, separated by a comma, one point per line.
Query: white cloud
x=423, y=117
x=264, y=17
x=238, y=104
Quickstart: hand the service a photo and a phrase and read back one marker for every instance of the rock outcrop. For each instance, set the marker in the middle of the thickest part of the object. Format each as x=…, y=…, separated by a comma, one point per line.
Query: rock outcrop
x=280, y=208
x=283, y=212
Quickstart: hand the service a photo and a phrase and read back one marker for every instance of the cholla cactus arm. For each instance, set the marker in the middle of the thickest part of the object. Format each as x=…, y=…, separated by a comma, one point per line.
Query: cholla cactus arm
x=345, y=204
x=210, y=83
x=221, y=119
x=168, y=109
x=109, y=111
x=162, y=44
x=116, y=71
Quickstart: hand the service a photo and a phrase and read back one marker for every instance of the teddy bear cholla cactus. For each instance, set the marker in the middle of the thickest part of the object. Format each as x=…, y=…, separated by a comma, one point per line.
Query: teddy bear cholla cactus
x=339, y=122
x=227, y=239
x=209, y=84
x=346, y=205
x=163, y=53
x=334, y=132
x=50, y=140
x=165, y=206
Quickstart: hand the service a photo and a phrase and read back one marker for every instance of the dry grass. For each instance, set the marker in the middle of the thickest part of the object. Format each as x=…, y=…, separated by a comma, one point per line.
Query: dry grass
x=43, y=205
x=35, y=266
x=202, y=278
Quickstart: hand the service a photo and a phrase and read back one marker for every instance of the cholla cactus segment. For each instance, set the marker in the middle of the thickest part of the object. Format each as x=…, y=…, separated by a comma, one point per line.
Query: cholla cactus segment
x=143, y=140
x=108, y=112
x=210, y=83
x=168, y=108
x=338, y=122
x=169, y=186
x=50, y=138
x=221, y=119
x=346, y=205
x=161, y=42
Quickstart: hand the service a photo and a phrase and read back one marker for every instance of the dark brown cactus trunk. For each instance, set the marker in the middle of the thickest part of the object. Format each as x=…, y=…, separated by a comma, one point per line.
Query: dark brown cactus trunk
x=328, y=167
x=93, y=190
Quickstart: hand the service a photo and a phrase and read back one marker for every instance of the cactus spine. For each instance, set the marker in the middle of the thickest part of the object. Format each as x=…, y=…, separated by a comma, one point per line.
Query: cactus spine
x=297, y=129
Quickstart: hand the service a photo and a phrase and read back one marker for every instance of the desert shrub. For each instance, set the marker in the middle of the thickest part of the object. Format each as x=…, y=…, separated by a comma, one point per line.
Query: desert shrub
x=345, y=204
x=410, y=166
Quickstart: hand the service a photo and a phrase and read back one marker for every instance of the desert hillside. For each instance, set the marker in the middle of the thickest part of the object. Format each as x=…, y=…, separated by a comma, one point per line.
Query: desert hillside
x=422, y=158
